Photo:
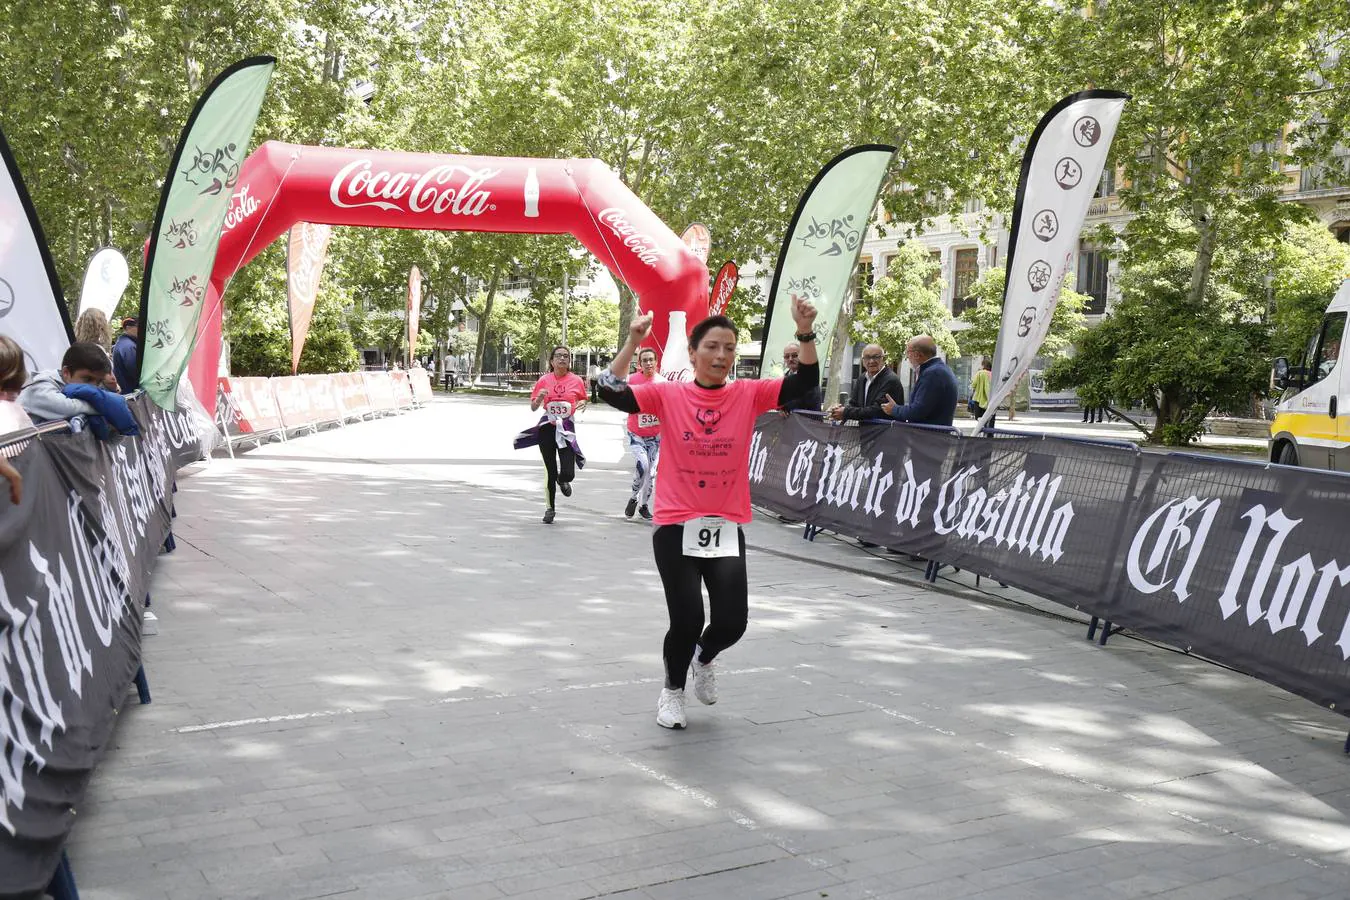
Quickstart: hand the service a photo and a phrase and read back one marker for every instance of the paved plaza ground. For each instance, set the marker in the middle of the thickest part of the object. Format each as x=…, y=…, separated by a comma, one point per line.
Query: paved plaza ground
x=378, y=675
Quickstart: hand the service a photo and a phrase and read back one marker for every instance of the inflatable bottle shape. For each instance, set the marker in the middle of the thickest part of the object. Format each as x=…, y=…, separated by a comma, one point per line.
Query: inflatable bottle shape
x=675, y=355
x=531, y=194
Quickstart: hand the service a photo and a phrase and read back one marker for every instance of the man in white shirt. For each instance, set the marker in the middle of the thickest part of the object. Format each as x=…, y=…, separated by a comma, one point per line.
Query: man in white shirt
x=870, y=389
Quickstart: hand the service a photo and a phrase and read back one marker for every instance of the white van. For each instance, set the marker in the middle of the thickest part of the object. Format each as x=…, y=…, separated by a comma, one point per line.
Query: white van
x=1312, y=421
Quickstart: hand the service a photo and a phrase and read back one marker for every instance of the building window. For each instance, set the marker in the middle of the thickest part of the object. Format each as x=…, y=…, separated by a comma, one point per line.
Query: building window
x=862, y=278
x=964, y=273
x=1092, y=265
x=935, y=272
x=1342, y=232
x=1107, y=186
x=974, y=206
x=1325, y=177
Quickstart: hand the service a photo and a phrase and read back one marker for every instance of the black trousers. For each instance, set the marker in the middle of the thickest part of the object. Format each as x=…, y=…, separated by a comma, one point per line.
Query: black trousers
x=683, y=578
x=559, y=462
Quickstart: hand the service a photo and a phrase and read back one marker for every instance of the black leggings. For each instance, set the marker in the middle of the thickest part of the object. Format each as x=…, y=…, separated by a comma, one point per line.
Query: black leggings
x=683, y=577
x=559, y=462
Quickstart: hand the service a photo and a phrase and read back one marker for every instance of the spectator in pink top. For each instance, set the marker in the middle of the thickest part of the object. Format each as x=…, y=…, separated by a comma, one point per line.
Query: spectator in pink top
x=644, y=441
x=561, y=394
x=703, y=495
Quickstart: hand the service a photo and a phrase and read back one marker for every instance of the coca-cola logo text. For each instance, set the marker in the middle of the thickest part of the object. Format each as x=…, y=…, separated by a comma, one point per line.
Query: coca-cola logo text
x=644, y=246
x=722, y=291
x=242, y=205
x=454, y=189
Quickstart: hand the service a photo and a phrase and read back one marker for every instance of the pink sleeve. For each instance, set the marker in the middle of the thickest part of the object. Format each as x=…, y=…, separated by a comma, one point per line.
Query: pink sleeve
x=649, y=397
x=766, y=394
x=578, y=388
x=538, y=384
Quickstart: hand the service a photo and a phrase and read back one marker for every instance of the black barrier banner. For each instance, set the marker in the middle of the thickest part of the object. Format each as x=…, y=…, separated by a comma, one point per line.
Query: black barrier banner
x=1245, y=564
x=75, y=564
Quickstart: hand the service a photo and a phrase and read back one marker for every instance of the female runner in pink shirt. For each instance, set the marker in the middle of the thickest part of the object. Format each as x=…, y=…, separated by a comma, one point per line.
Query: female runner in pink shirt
x=562, y=394
x=703, y=494
x=644, y=441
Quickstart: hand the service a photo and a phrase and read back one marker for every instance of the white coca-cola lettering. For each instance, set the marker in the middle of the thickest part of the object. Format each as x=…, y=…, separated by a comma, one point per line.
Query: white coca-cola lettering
x=452, y=188
x=725, y=288
x=644, y=246
x=242, y=205
x=305, y=276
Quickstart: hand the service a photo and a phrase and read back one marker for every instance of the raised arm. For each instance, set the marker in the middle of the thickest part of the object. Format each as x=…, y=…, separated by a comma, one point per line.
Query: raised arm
x=637, y=332
x=614, y=388
x=807, y=377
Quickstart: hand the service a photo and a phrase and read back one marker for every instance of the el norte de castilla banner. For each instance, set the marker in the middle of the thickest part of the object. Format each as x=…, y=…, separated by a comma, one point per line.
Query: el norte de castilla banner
x=1245, y=564
x=76, y=558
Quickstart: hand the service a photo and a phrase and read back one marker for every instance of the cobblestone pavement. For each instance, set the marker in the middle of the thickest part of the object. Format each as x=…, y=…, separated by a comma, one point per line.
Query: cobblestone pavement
x=379, y=676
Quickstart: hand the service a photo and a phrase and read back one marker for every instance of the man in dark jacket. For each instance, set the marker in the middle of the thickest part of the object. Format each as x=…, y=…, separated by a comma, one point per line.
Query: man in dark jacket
x=870, y=389
x=791, y=361
x=934, y=399
x=126, y=362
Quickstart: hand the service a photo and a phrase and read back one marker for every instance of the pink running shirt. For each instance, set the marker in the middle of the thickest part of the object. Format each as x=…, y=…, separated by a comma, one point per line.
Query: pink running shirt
x=569, y=389
x=705, y=445
x=642, y=424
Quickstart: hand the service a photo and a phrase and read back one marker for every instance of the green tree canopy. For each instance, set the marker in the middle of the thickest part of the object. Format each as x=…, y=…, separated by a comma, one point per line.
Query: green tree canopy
x=905, y=303
x=1177, y=357
x=985, y=318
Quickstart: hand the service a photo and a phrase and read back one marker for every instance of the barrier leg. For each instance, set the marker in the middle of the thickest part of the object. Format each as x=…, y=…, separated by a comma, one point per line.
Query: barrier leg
x=1106, y=632
x=142, y=686
x=1347, y=743
x=1092, y=628
x=169, y=544
x=62, y=885
x=809, y=534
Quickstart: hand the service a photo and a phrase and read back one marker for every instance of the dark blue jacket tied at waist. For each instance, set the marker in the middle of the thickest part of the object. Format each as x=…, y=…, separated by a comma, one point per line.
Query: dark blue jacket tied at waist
x=565, y=433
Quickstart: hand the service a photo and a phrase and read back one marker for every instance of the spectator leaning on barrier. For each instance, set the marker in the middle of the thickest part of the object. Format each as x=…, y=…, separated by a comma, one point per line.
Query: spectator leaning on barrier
x=875, y=384
x=934, y=399
x=791, y=361
x=126, y=361
x=13, y=374
x=75, y=391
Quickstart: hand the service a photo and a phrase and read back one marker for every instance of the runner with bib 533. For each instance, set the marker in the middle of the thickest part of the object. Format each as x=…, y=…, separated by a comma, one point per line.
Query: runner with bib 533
x=703, y=494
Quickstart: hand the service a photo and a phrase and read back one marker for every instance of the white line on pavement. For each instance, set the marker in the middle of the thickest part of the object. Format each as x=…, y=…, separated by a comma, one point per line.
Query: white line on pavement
x=328, y=713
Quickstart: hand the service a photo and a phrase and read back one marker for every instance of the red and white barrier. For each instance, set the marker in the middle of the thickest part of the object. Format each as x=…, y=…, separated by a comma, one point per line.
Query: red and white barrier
x=258, y=409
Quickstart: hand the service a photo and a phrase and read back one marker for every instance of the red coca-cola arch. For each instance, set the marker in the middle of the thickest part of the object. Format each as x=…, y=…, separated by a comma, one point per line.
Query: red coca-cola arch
x=282, y=184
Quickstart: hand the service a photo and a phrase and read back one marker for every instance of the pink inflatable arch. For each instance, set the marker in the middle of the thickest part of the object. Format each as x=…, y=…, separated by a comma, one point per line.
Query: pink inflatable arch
x=282, y=184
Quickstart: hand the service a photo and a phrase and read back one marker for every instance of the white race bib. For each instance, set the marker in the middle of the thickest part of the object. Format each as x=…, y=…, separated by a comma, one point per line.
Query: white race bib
x=647, y=420
x=558, y=408
x=711, y=537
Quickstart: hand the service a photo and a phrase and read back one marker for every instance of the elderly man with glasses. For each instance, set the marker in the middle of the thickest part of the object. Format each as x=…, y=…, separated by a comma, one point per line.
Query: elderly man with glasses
x=870, y=389
x=934, y=399
x=813, y=398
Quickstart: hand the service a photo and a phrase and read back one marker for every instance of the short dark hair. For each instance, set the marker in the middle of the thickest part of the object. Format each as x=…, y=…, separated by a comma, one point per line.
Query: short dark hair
x=645, y=350
x=707, y=325
x=557, y=348
x=86, y=355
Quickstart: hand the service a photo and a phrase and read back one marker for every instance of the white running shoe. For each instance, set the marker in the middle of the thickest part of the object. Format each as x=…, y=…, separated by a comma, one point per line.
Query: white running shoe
x=670, y=708
x=705, y=681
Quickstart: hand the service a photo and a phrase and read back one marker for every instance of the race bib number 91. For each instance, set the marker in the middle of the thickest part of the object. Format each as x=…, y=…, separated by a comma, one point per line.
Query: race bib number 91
x=647, y=420
x=711, y=537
